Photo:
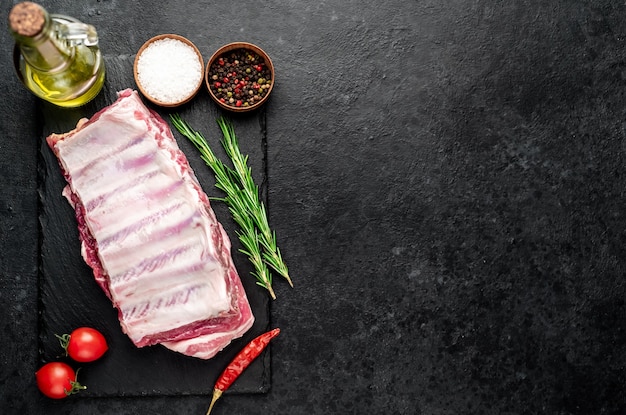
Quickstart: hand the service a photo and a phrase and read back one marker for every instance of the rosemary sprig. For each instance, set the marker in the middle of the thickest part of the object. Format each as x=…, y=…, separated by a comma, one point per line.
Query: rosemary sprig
x=251, y=200
x=250, y=241
x=223, y=181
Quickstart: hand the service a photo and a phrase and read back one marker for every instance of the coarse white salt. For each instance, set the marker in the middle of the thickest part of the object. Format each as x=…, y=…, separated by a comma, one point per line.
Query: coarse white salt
x=169, y=70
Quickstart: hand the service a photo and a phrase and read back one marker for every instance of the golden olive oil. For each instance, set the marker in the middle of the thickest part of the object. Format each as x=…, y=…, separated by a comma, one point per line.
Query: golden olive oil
x=72, y=86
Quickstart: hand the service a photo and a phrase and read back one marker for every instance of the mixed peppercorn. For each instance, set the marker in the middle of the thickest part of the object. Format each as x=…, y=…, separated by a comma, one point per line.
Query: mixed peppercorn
x=239, y=78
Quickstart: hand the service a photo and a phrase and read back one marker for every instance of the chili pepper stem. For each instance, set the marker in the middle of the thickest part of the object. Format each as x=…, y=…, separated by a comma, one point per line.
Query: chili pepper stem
x=216, y=395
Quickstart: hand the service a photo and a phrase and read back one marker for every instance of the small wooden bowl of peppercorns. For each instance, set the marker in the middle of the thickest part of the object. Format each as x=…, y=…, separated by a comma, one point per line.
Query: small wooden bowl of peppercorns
x=240, y=76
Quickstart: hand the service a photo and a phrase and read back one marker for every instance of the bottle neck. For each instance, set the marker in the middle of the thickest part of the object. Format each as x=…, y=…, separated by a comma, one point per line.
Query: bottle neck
x=44, y=51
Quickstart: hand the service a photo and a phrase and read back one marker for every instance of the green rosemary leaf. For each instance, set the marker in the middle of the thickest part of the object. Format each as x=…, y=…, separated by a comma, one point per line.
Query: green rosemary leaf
x=249, y=240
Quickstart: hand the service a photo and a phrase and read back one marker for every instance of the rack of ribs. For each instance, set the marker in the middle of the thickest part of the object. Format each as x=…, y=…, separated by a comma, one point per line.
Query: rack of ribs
x=149, y=233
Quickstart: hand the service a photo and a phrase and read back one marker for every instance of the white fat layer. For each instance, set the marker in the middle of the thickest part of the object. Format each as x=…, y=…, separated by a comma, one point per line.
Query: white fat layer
x=169, y=309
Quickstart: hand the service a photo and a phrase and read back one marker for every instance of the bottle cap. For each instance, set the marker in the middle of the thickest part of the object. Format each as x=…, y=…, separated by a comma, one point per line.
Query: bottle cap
x=27, y=19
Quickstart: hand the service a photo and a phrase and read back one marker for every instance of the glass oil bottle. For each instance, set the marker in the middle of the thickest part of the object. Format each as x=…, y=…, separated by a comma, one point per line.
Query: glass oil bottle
x=56, y=57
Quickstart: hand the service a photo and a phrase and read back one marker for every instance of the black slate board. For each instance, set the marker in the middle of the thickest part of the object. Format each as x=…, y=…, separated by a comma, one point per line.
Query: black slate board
x=69, y=296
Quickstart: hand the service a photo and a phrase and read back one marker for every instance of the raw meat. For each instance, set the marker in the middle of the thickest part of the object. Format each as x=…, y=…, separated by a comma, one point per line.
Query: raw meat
x=148, y=231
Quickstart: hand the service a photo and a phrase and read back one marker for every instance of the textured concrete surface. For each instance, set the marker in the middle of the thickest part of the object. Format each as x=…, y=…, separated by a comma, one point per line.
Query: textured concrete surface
x=446, y=179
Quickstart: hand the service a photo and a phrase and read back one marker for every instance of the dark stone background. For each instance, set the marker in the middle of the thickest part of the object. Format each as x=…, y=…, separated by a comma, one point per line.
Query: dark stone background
x=446, y=179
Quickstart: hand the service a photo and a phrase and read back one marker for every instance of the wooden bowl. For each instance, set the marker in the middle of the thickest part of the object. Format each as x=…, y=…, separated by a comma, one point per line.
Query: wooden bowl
x=229, y=48
x=146, y=93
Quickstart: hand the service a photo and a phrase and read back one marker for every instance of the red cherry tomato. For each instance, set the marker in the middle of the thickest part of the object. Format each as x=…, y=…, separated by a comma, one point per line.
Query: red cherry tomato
x=57, y=380
x=84, y=344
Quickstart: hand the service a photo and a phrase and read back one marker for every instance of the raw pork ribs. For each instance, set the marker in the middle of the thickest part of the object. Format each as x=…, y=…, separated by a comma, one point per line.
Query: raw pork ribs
x=148, y=231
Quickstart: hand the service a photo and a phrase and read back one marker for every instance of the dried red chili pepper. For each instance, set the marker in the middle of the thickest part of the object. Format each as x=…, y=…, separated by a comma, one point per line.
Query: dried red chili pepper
x=243, y=359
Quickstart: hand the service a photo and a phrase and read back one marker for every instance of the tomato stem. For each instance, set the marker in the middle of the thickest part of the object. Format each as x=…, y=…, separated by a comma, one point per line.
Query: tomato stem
x=64, y=340
x=76, y=386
